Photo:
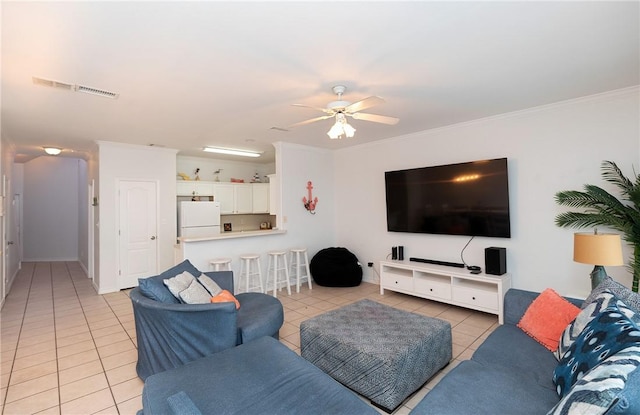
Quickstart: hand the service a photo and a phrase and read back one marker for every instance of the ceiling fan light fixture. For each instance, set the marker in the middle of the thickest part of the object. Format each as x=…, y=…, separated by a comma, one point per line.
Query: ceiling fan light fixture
x=52, y=151
x=341, y=128
x=336, y=131
x=232, y=151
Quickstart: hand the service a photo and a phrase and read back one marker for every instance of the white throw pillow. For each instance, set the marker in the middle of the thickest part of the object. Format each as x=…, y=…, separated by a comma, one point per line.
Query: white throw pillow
x=211, y=286
x=179, y=283
x=195, y=294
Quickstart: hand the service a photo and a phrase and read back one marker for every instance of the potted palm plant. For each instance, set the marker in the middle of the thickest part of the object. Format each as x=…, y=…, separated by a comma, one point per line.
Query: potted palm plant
x=601, y=208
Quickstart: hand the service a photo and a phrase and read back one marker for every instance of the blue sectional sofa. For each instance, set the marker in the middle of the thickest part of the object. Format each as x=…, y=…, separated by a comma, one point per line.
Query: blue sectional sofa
x=511, y=373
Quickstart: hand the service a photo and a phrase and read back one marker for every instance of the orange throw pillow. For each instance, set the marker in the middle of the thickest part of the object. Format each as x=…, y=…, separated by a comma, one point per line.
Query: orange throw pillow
x=547, y=317
x=225, y=297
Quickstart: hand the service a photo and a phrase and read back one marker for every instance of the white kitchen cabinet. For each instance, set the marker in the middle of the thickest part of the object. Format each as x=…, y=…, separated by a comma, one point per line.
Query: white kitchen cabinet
x=234, y=198
x=260, y=197
x=447, y=285
x=194, y=188
x=243, y=198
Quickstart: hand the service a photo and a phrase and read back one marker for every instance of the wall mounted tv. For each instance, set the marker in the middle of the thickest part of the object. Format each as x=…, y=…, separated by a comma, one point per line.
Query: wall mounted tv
x=456, y=199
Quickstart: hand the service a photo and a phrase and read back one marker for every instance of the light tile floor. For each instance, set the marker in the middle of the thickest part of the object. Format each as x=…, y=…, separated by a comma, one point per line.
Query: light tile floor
x=67, y=350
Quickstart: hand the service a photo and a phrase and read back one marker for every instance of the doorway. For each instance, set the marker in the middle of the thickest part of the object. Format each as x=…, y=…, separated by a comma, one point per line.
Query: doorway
x=137, y=234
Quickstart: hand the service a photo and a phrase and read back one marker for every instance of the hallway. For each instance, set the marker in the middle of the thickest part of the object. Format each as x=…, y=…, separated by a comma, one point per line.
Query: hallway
x=66, y=349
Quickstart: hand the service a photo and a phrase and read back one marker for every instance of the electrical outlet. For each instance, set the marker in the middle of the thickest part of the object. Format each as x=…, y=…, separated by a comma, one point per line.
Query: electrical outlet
x=370, y=264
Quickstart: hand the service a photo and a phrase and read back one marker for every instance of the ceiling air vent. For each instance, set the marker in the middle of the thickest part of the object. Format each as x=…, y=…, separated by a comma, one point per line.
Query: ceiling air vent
x=51, y=84
x=76, y=88
x=94, y=91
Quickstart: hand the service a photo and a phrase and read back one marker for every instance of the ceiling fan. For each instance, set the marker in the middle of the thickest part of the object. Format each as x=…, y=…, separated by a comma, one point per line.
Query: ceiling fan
x=342, y=109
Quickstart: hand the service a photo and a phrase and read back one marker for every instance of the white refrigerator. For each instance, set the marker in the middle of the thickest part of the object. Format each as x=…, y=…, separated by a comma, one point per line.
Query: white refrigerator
x=198, y=219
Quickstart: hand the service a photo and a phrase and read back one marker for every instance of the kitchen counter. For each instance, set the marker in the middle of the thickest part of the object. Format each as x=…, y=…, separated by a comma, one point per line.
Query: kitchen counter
x=232, y=235
x=201, y=249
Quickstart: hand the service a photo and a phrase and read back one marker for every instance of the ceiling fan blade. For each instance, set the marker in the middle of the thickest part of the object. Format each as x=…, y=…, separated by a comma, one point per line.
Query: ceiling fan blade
x=325, y=110
x=375, y=118
x=324, y=117
x=364, y=104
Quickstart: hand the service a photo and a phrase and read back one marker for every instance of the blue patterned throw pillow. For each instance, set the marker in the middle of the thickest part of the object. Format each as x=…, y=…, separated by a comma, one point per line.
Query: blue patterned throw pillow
x=605, y=389
x=588, y=313
x=606, y=334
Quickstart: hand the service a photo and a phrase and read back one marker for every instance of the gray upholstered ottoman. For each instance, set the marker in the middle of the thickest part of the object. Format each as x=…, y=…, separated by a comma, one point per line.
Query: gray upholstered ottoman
x=381, y=352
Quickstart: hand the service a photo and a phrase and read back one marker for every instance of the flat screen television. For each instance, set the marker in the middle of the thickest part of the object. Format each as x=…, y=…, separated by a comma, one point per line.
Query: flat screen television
x=455, y=199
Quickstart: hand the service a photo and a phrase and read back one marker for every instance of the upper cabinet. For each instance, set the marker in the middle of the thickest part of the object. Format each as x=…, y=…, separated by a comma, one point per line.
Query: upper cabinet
x=194, y=188
x=260, y=197
x=234, y=198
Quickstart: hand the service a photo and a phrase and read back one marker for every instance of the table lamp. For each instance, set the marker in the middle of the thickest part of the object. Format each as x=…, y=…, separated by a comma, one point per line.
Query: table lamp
x=597, y=249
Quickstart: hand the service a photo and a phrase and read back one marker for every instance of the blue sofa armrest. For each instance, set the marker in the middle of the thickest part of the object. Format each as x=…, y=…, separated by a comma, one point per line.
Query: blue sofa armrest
x=170, y=335
x=517, y=301
x=223, y=278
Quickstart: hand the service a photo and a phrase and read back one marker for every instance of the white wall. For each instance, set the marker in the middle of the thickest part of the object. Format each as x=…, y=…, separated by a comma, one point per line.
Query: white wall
x=51, y=209
x=295, y=166
x=133, y=162
x=550, y=148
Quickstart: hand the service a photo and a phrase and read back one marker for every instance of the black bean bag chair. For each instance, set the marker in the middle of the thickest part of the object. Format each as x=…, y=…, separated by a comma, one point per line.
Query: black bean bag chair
x=336, y=267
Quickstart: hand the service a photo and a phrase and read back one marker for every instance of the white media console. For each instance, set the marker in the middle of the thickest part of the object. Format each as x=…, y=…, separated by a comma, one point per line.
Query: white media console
x=445, y=284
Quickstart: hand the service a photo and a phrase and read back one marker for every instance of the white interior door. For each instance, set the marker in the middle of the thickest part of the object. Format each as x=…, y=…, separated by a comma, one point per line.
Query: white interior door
x=138, y=250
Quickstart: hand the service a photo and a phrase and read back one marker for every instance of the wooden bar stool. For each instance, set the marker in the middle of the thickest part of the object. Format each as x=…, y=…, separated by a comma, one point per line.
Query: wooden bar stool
x=299, y=259
x=249, y=269
x=220, y=264
x=275, y=270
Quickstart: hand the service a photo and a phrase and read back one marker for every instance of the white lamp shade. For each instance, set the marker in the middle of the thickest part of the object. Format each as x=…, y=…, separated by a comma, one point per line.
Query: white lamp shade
x=597, y=249
x=335, y=131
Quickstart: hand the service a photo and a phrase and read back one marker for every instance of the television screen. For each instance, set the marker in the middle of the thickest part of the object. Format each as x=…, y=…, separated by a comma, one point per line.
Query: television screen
x=456, y=199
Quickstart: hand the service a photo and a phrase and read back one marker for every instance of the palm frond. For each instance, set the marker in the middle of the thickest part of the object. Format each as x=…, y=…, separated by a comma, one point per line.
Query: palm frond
x=581, y=220
x=574, y=198
x=612, y=174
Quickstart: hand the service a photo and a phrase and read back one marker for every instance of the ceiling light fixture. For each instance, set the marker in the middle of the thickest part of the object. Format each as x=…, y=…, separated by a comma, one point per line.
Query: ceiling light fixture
x=341, y=128
x=52, y=151
x=232, y=152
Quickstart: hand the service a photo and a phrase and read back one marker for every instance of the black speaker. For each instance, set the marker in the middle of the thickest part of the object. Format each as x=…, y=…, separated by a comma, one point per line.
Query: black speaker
x=394, y=252
x=495, y=260
x=401, y=253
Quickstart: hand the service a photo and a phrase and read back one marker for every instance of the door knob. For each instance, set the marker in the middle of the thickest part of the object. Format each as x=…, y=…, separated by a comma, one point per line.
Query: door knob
x=153, y=238
x=10, y=243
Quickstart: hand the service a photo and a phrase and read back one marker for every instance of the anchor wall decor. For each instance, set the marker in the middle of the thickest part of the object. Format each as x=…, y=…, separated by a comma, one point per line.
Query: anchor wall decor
x=311, y=203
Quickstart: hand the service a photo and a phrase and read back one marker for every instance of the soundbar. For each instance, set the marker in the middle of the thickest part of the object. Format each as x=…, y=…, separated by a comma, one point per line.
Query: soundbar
x=436, y=262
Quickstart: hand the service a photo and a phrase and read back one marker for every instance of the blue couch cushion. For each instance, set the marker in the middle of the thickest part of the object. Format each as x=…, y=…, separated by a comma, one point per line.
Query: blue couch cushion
x=512, y=349
x=478, y=389
x=181, y=404
x=154, y=288
x=259, y=377
x=259, y=315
